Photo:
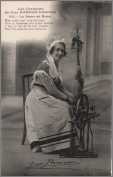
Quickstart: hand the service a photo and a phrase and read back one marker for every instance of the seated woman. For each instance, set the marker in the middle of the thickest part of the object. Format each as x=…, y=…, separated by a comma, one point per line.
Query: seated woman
x=47, y=104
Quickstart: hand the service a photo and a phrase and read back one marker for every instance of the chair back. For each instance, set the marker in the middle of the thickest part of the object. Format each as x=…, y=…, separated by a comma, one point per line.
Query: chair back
x=26, y=84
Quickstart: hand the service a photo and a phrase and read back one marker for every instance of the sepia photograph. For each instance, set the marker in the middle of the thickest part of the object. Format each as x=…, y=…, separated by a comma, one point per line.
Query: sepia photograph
x=56, y=88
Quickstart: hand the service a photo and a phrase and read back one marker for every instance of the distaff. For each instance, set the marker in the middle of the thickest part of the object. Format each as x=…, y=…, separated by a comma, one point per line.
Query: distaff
x=78, y=84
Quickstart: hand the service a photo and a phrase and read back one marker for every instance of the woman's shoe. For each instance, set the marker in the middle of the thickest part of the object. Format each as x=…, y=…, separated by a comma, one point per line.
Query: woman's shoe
x=35, y=147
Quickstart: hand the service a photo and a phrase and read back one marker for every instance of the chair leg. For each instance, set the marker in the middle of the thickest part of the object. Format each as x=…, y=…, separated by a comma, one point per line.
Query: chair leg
x=24, y=133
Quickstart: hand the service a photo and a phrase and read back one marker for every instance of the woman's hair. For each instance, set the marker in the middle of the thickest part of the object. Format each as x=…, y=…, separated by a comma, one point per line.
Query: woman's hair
x=52, y=47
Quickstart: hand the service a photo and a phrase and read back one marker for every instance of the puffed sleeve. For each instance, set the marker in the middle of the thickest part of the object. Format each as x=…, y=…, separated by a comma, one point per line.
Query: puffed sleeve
x=43, y=66
x=42, y=78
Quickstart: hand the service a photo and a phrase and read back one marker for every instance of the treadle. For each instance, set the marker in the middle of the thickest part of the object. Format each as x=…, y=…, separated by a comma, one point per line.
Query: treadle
x=79, y=154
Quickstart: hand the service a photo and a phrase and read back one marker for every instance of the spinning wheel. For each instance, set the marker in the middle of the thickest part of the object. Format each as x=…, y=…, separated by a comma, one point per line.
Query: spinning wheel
x=82, y=114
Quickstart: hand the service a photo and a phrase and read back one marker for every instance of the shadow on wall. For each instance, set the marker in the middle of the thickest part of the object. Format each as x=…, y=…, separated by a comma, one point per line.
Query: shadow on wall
x=28, y=56
x=106, y=67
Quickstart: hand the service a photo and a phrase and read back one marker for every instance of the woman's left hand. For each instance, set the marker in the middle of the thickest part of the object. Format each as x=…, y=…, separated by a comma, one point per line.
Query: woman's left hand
x=70, y=99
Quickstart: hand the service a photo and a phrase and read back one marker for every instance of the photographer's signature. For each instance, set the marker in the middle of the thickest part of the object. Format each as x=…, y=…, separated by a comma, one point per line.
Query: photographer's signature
x=51, y=163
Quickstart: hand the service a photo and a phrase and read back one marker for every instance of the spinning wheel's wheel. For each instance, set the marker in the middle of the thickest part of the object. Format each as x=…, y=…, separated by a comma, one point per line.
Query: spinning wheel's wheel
x=80, y=110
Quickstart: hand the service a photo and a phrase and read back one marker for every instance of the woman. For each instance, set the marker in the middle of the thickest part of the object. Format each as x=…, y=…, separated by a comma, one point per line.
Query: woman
x=47, y=104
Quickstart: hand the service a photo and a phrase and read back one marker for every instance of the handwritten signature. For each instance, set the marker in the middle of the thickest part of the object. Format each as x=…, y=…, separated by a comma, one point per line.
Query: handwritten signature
x=51, y=163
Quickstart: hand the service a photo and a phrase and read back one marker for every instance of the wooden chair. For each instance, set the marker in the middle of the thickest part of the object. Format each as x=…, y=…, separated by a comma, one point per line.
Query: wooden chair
x=82, y=114
x=26, y=81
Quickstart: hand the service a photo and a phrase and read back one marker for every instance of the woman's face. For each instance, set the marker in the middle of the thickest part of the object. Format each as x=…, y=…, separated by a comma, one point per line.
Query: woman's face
x=58, y=52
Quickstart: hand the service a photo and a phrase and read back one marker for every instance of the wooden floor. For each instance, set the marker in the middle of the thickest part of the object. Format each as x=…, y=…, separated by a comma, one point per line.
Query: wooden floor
x=17, y=160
